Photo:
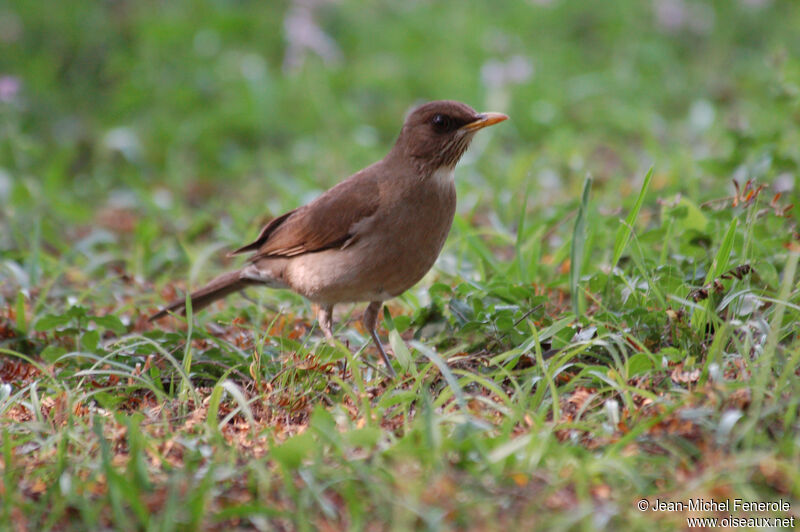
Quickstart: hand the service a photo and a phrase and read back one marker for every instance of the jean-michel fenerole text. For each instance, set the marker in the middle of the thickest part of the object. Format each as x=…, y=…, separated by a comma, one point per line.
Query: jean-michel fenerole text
x=726, y=505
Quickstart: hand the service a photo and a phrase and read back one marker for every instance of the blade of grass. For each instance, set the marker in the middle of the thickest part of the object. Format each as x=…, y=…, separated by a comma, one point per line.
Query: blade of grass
x=637, y=255
x=624, y=231
x=521, y=265
x=212, y=421
x=718, y=267
x=22, y=324
x=765, y=363
x=445, y=371
x=244, y=405
x=576, y=250
x=187, y=352
x=401, y=352
x=163, y=352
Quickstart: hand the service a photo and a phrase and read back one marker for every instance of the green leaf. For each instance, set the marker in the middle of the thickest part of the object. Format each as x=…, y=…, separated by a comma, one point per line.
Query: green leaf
x=110, y=322
x=214, y=401
x=367, y=437
x=555, y=328
x=458, y=393
x=322, y=421
x=624, y=231
x=22, y=324
x=401, y=352
x=186, y=385
x=638, y=364
x=90, y=340
x=718, y=267
x=109, y=401
x=293, y=451
x=673, y=354
x=402, y=323
x=687, y=215
x=49, y=322
x=720, y=264
x=77, y=312
x=576, y=250
x=399, y=347
x=504, y=450
x=51, y=353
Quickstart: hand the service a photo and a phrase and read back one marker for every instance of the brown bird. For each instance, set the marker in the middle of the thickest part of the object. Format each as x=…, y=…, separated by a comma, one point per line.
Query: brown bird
x=372, y=236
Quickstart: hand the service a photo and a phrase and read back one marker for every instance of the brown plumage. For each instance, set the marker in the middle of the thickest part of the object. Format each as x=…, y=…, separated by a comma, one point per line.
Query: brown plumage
x=372, y=236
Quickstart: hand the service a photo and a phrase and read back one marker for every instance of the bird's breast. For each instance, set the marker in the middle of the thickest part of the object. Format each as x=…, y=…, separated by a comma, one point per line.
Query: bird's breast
x=421, y=222
x=407, y=235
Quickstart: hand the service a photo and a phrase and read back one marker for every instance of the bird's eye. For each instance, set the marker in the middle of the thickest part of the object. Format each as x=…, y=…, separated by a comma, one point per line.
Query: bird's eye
x=442, y=123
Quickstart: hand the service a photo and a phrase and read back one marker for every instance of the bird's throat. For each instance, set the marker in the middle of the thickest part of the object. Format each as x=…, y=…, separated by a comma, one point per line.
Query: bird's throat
x=443, y=176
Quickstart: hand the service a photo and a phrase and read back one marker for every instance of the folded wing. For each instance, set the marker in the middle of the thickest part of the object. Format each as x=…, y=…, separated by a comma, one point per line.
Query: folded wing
x=325, y=223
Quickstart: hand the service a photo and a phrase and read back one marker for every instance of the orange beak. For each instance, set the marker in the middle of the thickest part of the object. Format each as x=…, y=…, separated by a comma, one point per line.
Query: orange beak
x=484, y=120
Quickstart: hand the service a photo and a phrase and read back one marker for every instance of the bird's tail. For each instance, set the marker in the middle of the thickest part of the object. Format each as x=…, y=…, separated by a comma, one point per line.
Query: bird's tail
x=221, y=286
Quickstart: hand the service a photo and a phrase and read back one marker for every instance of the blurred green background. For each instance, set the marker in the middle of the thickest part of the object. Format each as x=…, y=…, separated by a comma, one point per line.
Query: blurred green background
x=200, y=120
x=140, y=140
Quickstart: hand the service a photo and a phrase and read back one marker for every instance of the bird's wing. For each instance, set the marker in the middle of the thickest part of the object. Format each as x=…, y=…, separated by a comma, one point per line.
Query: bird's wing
x=327, y=222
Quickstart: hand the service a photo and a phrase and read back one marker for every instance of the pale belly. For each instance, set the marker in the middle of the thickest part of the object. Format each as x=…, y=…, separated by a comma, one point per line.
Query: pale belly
x=392, y=254
x=363, y=272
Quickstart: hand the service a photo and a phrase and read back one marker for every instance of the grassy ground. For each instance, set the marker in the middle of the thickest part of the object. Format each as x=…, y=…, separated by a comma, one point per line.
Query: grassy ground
x=576, y=349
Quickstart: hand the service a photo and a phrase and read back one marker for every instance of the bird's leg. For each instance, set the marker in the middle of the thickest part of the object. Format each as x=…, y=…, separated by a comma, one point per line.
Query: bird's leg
x=325, y=319
x=371, y=322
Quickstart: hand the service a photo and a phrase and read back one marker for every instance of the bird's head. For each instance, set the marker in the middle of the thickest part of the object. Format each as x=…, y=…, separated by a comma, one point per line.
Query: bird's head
x=435, y=135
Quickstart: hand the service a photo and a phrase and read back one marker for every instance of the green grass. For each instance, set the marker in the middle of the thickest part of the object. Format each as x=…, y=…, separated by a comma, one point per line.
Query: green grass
x=579, y=346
